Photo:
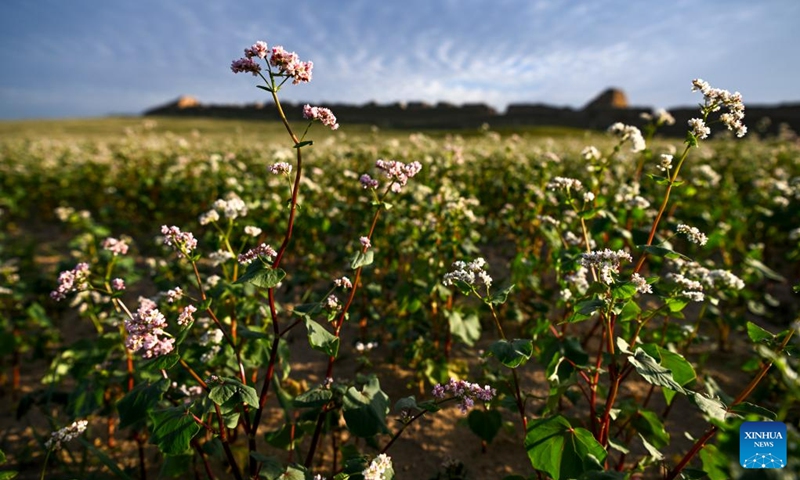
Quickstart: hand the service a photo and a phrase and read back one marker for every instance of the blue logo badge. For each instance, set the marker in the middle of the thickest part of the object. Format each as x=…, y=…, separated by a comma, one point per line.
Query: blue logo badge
x=762, y=445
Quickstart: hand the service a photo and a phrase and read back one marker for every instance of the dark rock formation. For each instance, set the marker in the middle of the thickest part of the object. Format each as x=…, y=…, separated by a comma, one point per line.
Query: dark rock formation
x=608, y=107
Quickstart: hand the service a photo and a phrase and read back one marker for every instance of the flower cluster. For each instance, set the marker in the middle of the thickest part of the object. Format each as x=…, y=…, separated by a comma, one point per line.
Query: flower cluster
x=698, y=128
x=690, y=289
x=591, y=153
x=287, y=63
x=368, y=182
x=365, y=242
x=262, y=250
x=398, y=172
x=629, y=132
x=184, y=242
x=66, y=434
x=174, y=294
x=564, y=183
x=185, y=317
x=280, y=168
x=331, y=303
x=716, y=98
x=665, y=164
x=693, y=234
x=115, y=246
x=659, y=117
x=641, y=284
x=378, y=467
x=606, y=262
x=324, y=115
x=343, y=282
x=472, y=273
x=146, y=331
x=118, y=284
x=252, y=230
x=75, y=280
x=290, y=65
x=466, y=393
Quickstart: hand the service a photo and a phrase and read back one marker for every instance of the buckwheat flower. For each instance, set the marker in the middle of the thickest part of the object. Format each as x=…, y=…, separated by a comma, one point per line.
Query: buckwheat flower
x=362, y=347
x=716, y=98
x=66, y=434
x=116, y=247
x=262, y=250
x=281, y=59
x=251, y=230
x=365, y=242
x=637, y=201
x=588, y=197
x=259, y=49
x=693, y=234
x=606, y=262
x=368, y=182
x=146, y=331
x=629, y=133
x=694, y=296
x=75, y=280
x=301, y=72
x=465, y=392
x=184, y=242
x=220, y=256
x=232, y=206
x=547, y=220
x=378, y=467
x=663, y=117
x=245, y=65
x=174, y=294
x=118, y=284
x=641, y=284
x=208, y=217
x=398, y=172
x=666, y=162
x=590, y=153
x=332, y=303
x=473, y=273
x=698, y=128
x=722, y=280
x=280, y=168
x=343, y=282
x=185, y=317
x=564, y=183
x=324, y=115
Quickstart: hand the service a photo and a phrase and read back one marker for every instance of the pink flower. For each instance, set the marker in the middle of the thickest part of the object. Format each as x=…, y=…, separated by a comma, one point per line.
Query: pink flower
x=117, y=247
x=185, y=317
x=262, y=250
x=118, y=284
x=74, y=280
x=184, y=242
x=259, y=49
x=324, y=115
x=365, y=242
x=245, y=65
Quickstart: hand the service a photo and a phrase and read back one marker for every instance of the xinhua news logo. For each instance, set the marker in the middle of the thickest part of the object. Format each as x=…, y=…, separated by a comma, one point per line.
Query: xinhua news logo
x=762, y=445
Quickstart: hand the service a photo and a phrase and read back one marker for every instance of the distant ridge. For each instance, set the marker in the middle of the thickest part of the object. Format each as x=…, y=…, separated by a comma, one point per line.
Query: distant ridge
x=608, y=107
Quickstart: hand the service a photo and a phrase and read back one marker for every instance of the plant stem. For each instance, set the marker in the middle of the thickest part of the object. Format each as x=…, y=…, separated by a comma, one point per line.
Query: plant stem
x=700, y=443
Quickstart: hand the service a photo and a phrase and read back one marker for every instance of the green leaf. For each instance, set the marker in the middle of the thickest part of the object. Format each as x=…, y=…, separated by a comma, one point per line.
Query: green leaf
x=467, y=329
x=322, y=340
x=303, y=144
x=649, y=368
x=362, y=259
x=675, y=305
x=314, y=398
x=485, y=423
x=653, y=451
x=764, y=270
x=618, y=446
x=365, y=411
x=262, y=275
x=715, y=463
x=406, y=404
x=500, y=297
x=8, y=475
x=562, y=451
x=232, y=390
x=262, y=87
x=662, y=252
x=164, y=362
x=758, y=334
x=651, y=427
x=512, y=354
x=745, y=408
x=173, y=430
x=713, y=407
x=271, y=467
x=135, y=405
x=586, y=309
x=623, y=291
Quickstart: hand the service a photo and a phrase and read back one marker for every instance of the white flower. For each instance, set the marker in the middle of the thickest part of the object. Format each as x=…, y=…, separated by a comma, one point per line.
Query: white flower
x=693, y=234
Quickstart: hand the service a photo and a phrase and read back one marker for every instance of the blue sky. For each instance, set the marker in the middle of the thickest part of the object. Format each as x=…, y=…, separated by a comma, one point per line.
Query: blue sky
x=76, y=58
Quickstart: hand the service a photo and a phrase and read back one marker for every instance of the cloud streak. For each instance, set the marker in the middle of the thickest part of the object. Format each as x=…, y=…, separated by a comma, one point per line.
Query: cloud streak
x=85, y=58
